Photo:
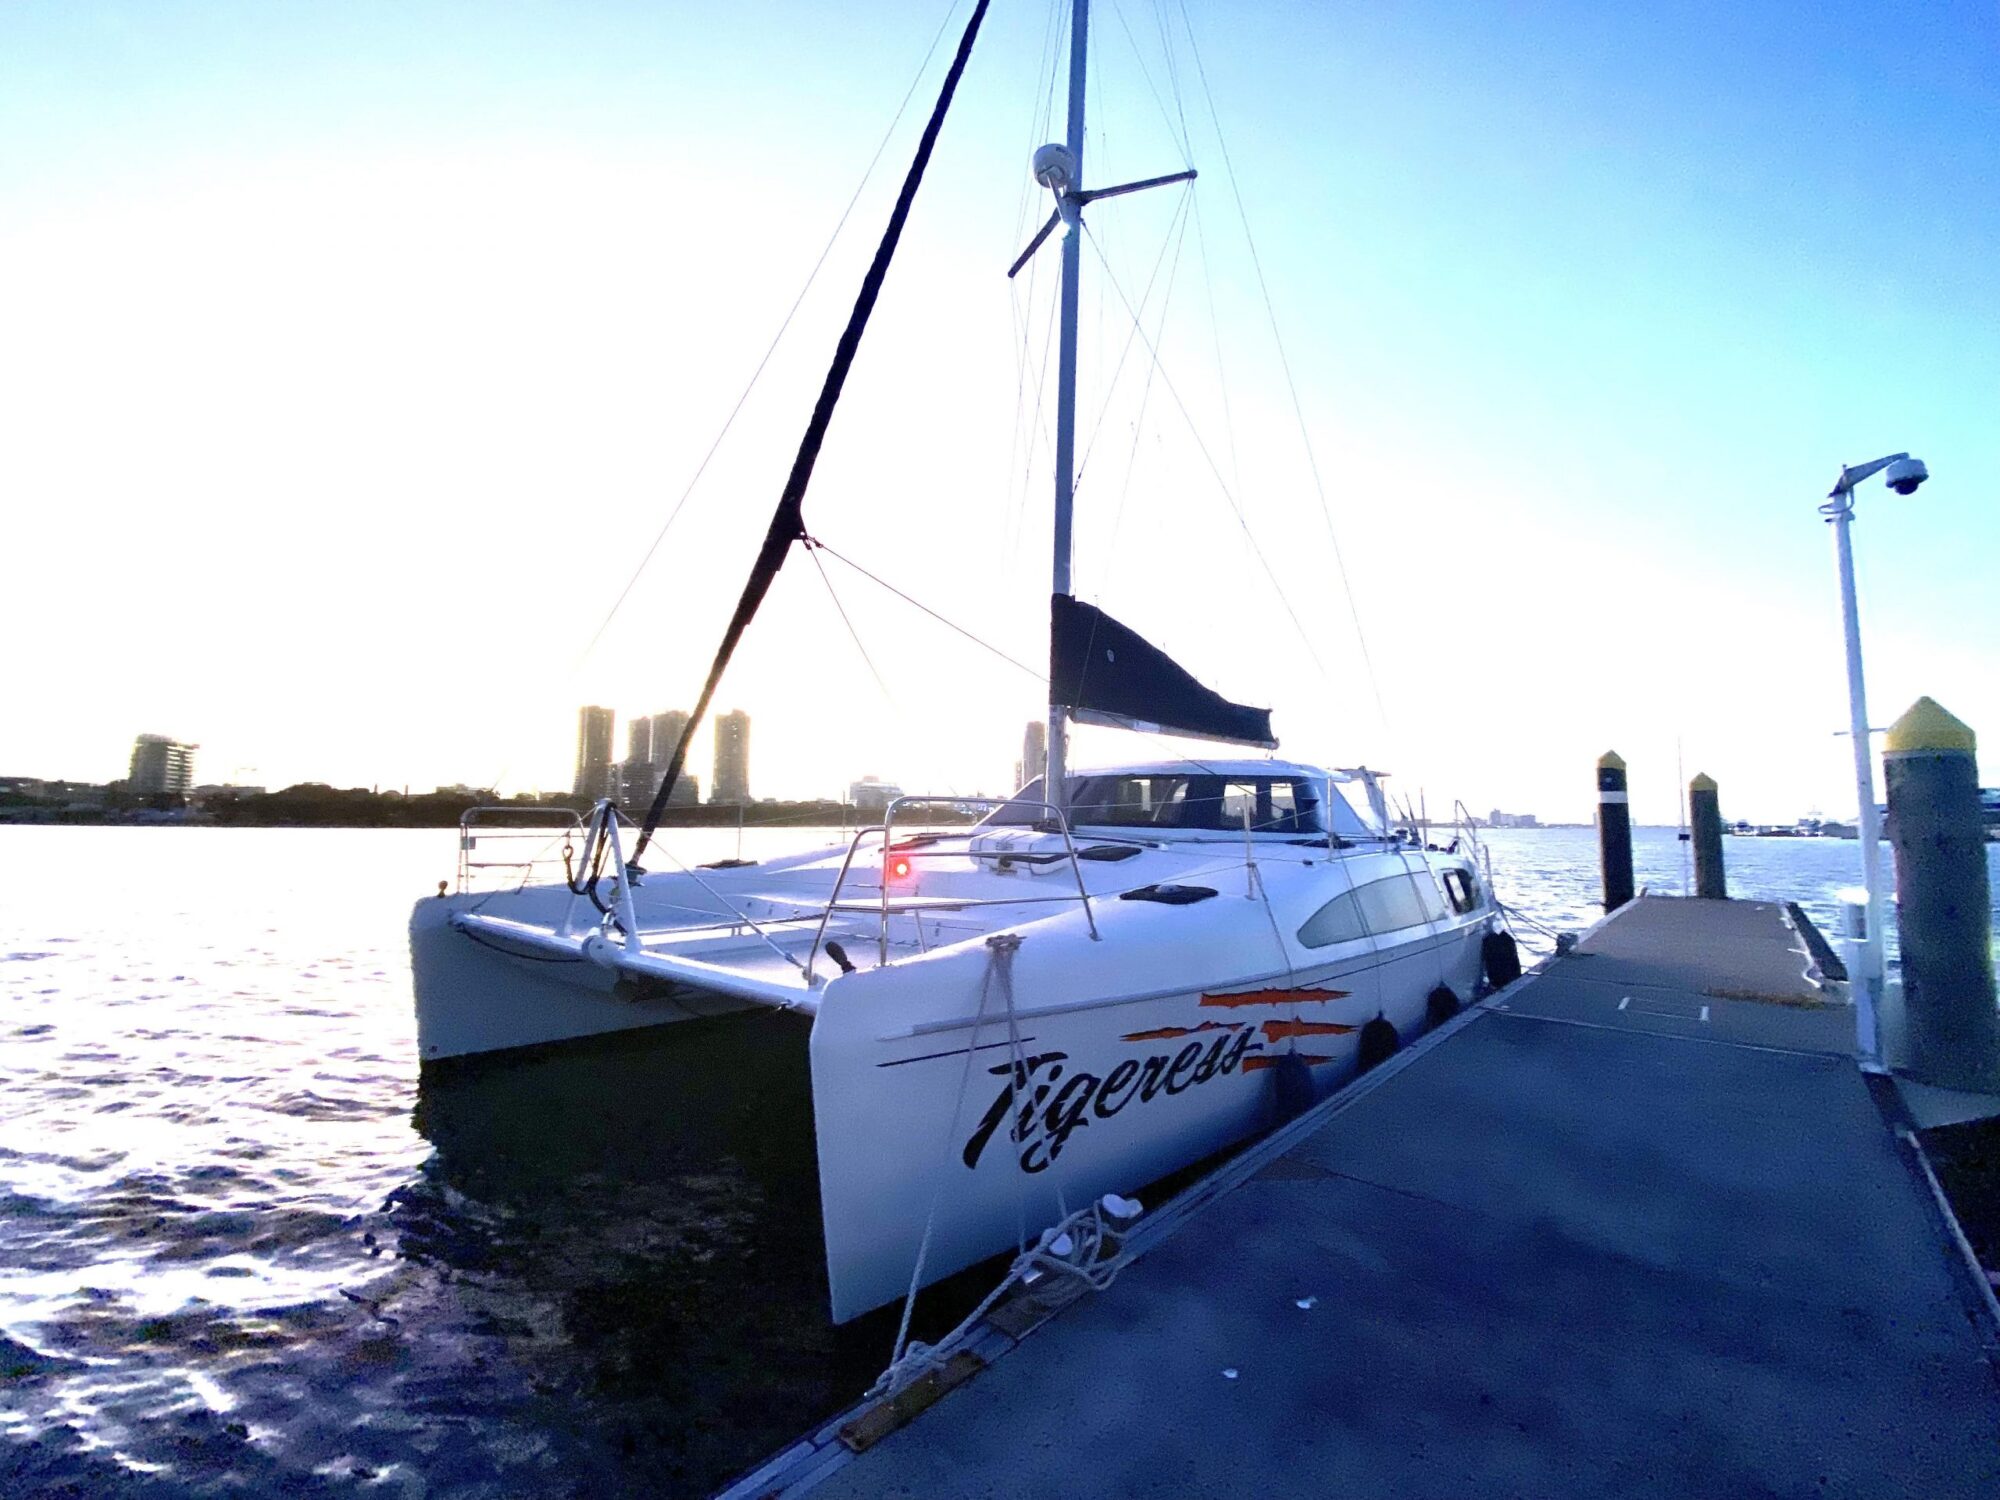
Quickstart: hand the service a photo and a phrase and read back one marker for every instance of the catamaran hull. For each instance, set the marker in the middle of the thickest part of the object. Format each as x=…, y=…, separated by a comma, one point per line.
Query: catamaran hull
x=928, y=1133
x=479, y=994
x=968, y=1090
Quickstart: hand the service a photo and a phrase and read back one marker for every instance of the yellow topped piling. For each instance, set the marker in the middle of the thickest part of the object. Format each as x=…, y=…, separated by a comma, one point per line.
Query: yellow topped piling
x=1705, y=818
x=1611, y=760
x=1945, y=1027
x=1927, y=726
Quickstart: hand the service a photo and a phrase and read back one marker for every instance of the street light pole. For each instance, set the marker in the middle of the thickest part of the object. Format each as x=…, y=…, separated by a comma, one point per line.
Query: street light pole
x=1868, y=982
x=1903, y=475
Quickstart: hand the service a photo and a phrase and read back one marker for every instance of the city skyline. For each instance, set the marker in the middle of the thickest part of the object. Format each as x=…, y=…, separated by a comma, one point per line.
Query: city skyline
x=1581, y=314
x=160, y=765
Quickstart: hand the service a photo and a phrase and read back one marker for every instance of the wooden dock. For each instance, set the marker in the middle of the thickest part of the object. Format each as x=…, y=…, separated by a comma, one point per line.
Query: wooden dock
x=1636, y=1225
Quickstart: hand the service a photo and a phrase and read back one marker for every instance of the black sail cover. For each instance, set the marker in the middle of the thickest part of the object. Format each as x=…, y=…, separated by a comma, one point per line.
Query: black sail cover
x=1106, y=673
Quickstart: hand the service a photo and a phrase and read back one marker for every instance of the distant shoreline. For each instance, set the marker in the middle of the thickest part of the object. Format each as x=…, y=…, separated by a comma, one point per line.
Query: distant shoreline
x=313, y=806
x=415, y=812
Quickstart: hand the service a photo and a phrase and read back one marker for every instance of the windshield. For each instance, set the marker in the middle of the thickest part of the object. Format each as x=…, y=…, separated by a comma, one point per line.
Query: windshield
x=1190, y=799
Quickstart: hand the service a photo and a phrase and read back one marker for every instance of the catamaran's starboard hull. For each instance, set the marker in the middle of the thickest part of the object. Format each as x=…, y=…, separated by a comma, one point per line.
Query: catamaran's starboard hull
x=922, y=1128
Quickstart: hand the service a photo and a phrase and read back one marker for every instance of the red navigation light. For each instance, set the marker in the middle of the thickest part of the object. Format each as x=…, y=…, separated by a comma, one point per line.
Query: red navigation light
x=899, y=869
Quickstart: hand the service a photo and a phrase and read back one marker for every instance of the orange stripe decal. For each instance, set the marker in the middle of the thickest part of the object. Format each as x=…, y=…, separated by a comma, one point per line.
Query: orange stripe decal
x=1170, y=1033
x=1274, y=997
x=1258, y=1064
x=1277, y=1031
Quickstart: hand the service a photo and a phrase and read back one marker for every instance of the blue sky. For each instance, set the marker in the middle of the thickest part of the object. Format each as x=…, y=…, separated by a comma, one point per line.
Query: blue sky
x=355, y=353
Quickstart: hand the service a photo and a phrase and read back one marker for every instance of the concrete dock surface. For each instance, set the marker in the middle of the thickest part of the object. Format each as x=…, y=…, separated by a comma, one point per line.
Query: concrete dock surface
x=1638, y=1226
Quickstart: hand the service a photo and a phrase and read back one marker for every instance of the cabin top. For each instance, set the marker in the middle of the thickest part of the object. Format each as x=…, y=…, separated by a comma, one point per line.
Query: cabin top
x=1190, y=795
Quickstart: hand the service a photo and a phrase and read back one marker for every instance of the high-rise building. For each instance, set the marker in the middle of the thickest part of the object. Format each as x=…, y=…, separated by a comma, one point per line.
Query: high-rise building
x=637, y=781
x=638, y=777
x=667, y=731
x=1034, y=753
x=595, y=775
x=668, y=727
x=871, y=794
x=732, y=758
x=161, y=765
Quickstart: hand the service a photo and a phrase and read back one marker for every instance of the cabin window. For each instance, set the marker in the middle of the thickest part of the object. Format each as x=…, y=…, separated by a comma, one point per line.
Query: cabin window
x=1190, y=799
x=1339, y=921
x=1463, y=890
x=1387, y=905
x=1195, y=800
x=1435, y=905
x=1127, y=801
x=1283, y=813
x=1381, y=906
x=1239, y=803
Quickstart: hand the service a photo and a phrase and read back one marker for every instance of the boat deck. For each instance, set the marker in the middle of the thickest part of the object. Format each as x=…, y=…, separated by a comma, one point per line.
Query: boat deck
x=1621, y=1230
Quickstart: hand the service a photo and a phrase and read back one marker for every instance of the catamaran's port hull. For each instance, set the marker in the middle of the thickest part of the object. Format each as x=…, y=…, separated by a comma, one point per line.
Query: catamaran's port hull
x=479, y=994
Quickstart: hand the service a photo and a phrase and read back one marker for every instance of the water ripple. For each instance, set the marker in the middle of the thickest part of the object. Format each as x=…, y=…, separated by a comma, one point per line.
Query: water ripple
x=241, y=1251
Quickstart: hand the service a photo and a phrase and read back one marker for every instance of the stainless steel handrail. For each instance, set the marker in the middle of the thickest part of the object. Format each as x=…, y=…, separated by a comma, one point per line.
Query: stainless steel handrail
x=888, y=842
x=834, y=896
x=885, y=829
x=469, y=821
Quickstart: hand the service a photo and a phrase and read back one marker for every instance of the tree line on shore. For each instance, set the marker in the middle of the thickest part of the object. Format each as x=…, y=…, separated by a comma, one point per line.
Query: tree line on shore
x=315, y=804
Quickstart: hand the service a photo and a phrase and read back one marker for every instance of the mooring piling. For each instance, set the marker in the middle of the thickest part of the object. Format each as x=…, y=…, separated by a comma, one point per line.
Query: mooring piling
x=1705, y=814
x=1614, y=830
x=1950, y=1027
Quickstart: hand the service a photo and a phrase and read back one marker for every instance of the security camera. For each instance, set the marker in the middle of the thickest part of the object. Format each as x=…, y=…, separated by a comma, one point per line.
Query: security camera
x=1905, y=474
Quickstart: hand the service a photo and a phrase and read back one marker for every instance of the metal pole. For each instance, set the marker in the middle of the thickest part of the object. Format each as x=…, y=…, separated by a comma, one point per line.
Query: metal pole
x=1868, y=988
x=1072, y=268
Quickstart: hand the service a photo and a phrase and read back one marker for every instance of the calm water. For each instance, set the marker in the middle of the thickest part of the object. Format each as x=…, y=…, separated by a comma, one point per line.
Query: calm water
x=240, y=1250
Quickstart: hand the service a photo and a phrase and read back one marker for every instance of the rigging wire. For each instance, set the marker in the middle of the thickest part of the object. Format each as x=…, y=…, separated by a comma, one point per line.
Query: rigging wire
x=1180, y=136
x=1285, y=364
x=1215, y=333
x=776, y=339
x=1039, y=434
x=1175, y=228
x=1019, y=306
x=1173, y=78
x=787, y=524
x=1222, y=484
x=815, y=544
x=812, y=551
x=1021, y=303
x=1145, y=400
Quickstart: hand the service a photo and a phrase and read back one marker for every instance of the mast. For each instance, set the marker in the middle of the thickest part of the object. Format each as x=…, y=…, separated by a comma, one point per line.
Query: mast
x=1072, y=269
x=1059, y=168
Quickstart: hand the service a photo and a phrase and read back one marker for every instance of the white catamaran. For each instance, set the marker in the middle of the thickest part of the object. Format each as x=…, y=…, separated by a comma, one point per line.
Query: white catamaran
x=1116, y=973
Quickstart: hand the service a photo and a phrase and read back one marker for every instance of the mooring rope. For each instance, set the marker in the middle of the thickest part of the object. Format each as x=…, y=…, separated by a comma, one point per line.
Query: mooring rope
x=1093, y=1251
x=1095, y=1256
